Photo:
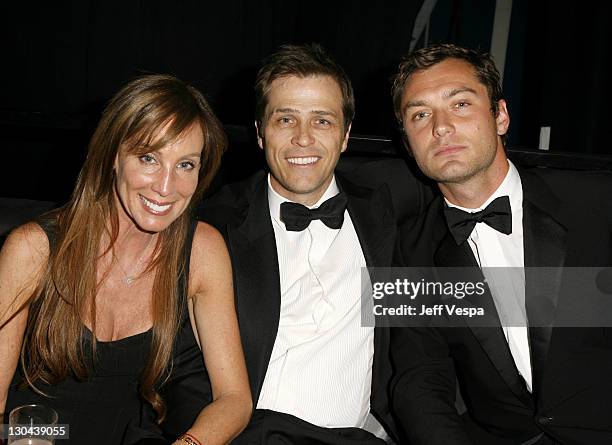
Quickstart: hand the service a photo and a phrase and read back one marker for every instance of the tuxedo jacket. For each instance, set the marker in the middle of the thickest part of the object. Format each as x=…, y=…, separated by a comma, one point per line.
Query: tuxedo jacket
x=241, y=213
x=567, y=221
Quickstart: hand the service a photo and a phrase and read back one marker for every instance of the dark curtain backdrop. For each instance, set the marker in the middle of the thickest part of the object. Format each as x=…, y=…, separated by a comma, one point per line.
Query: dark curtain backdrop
x=61, y=61
x=563, y=55
x=66, y=58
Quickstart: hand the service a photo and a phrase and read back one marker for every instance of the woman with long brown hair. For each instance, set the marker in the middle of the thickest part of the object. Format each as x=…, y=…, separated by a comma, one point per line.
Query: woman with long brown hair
x=97, y=297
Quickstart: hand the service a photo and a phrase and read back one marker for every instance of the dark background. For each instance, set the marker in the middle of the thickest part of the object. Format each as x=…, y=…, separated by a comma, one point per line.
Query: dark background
x=63, y=60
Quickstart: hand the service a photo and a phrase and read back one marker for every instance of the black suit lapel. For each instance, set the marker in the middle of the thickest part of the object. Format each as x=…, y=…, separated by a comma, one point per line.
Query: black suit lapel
x=373, y=221
x=487, y=330
x=255, y=261
x=544, y=241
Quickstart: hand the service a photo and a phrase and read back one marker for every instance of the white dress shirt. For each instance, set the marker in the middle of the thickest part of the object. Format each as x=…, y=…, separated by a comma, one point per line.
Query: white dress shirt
x=494, y=249
x=321, y=364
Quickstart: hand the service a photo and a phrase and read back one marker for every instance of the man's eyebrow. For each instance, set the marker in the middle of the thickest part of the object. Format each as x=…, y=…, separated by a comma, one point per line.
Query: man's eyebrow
x=293, y=110
x=323, y=113
x=451, y=93
x=285, y=110
x=456, y=91
x=415, y=103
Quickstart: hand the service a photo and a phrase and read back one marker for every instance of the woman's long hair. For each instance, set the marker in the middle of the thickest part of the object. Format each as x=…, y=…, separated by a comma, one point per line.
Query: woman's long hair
x=133, y=121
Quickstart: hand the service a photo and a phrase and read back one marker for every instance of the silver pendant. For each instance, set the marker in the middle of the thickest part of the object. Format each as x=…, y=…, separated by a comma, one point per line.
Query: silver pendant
x=129, y=280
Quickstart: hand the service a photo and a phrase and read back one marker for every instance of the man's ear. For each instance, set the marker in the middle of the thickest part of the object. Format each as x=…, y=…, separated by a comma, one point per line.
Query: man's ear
x=502, y=120
x=259, y=135
x=346, y=138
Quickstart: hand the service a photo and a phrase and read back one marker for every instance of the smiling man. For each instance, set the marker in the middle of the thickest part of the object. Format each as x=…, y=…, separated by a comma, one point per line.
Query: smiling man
x=523, y=382
x=303, y=133
x=299, y=236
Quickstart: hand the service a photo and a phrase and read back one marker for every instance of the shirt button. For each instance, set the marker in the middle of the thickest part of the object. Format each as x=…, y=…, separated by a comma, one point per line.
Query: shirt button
x=545, y=420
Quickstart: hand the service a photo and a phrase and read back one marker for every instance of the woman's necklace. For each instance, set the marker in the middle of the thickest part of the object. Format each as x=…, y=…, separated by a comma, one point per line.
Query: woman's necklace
x=129, y=279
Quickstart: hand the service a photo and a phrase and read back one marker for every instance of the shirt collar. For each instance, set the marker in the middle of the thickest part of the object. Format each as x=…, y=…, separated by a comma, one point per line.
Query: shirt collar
x=275, y=199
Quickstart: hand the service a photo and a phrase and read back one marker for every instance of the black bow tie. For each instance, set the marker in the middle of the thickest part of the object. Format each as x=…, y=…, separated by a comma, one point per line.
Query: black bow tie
x=496, y=215
x=297, y=217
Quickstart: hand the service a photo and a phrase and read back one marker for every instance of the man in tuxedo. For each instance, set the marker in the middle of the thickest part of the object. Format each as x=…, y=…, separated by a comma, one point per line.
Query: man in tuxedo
x=299, y=236
x=521, y=383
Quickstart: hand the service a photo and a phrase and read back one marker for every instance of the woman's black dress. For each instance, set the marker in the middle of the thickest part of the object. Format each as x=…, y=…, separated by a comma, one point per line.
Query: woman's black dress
x=106, y=408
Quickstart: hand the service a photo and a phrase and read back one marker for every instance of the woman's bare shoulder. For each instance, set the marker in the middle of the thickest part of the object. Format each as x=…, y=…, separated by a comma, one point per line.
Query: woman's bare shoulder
x=26, y=242
x=209, y=256
x=22, y=259
x=208, y=241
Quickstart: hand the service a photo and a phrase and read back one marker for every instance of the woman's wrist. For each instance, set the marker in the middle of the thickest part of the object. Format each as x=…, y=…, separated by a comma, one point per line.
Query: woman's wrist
x=189, y=439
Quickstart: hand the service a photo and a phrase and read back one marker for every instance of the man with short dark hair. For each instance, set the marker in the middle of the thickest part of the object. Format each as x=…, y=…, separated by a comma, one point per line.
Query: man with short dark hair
x=299, y=237
x=522, y=383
